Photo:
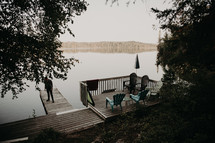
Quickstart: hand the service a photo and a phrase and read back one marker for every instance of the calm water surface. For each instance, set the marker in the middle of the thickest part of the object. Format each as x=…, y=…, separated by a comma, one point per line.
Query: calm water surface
x=91, y=66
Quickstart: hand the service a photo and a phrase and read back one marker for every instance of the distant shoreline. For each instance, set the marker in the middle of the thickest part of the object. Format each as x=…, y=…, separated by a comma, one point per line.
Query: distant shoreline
x=108, y=47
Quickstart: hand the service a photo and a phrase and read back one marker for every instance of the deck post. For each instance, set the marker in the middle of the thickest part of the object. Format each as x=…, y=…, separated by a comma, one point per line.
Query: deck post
x=83, y=93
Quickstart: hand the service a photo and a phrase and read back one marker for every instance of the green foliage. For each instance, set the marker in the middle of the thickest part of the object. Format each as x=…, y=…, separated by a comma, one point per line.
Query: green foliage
x=186, y=54
x=49, y=135
x=29, y=45
x=33, y=114
x=123, y=128
x=191, y=27
x=163, y=127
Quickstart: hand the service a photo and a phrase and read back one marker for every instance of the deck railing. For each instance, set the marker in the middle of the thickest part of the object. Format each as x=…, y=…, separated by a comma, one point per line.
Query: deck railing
x=108, y=84
x=114, y=83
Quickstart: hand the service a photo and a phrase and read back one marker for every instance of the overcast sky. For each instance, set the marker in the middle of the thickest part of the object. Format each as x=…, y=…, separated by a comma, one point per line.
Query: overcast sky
x=103, y=22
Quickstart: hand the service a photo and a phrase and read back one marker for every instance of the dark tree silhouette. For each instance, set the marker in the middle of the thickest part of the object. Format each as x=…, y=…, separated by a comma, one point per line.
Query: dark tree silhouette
x=186, y=54
x=29, y=45
x=189, y=48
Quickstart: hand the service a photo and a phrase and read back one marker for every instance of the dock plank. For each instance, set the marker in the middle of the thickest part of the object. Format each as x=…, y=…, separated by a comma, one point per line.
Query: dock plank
x=60, y=104
x=68, y=123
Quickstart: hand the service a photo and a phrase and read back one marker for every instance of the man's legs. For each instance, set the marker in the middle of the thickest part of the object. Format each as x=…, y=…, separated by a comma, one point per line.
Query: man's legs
x=52, y=96
x=48, y=95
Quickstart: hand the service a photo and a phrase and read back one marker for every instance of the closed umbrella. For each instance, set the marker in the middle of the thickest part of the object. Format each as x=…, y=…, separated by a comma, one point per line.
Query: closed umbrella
x=137, y=65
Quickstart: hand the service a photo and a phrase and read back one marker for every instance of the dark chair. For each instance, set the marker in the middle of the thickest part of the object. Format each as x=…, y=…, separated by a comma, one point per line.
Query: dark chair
x=117, y=100
x=144, y=82
x=132, y=83
x=140, y=96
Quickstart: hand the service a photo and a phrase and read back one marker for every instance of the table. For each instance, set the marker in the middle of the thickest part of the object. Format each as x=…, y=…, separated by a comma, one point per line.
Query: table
x=127, y=100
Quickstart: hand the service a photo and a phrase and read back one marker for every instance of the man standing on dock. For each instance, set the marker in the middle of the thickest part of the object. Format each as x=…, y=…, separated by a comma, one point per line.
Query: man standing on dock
x=49, y=88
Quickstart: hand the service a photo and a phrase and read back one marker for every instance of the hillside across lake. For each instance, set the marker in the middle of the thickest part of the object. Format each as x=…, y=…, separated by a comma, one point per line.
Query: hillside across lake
x=108, y=47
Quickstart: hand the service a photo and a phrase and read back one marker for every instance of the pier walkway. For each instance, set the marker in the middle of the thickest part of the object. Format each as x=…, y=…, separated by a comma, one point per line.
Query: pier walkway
x=60, y=116
x=60, y=104
x=65, y=123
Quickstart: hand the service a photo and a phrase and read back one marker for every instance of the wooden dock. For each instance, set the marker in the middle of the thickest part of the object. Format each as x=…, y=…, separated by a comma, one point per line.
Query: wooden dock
x=63, y=118
x=70, y=122
x=60, y=104
x=66, y=123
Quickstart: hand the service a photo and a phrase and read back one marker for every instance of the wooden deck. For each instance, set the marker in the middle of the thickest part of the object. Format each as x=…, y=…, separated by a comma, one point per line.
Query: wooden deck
x=116, y=84
x=60, y=104
x=67, y=123
x=70, y=122
x=63, y=118
x=128, y=105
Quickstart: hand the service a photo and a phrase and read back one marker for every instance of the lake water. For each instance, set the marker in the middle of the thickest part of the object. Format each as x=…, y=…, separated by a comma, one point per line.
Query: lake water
x=91, y=66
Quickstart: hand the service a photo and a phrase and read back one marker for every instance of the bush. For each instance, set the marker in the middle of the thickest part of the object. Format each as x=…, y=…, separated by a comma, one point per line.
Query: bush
x=49, y=135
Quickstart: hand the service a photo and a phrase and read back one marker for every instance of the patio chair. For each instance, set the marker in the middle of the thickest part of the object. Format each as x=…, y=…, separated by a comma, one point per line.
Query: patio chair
x=132, y=83
x=140, y=96
x=155, y=89
x=144, y=82
x=117, y=100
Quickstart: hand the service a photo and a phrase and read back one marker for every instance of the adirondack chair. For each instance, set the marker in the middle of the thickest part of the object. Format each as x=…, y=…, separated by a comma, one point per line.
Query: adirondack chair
x=140, y=96
x=144, y=82
x=117, y=100
x=155, y=89
x=132, y=82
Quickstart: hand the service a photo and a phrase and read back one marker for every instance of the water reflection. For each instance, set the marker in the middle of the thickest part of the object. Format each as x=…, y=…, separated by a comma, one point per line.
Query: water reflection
x=92, y=66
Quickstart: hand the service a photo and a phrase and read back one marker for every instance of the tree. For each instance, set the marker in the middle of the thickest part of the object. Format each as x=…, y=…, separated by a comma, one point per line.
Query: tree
x=186, y=54
x=29, y=45
x=189, y=48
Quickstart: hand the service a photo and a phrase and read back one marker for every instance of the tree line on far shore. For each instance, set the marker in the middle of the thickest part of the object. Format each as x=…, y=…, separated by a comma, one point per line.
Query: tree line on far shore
x=108, y=47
